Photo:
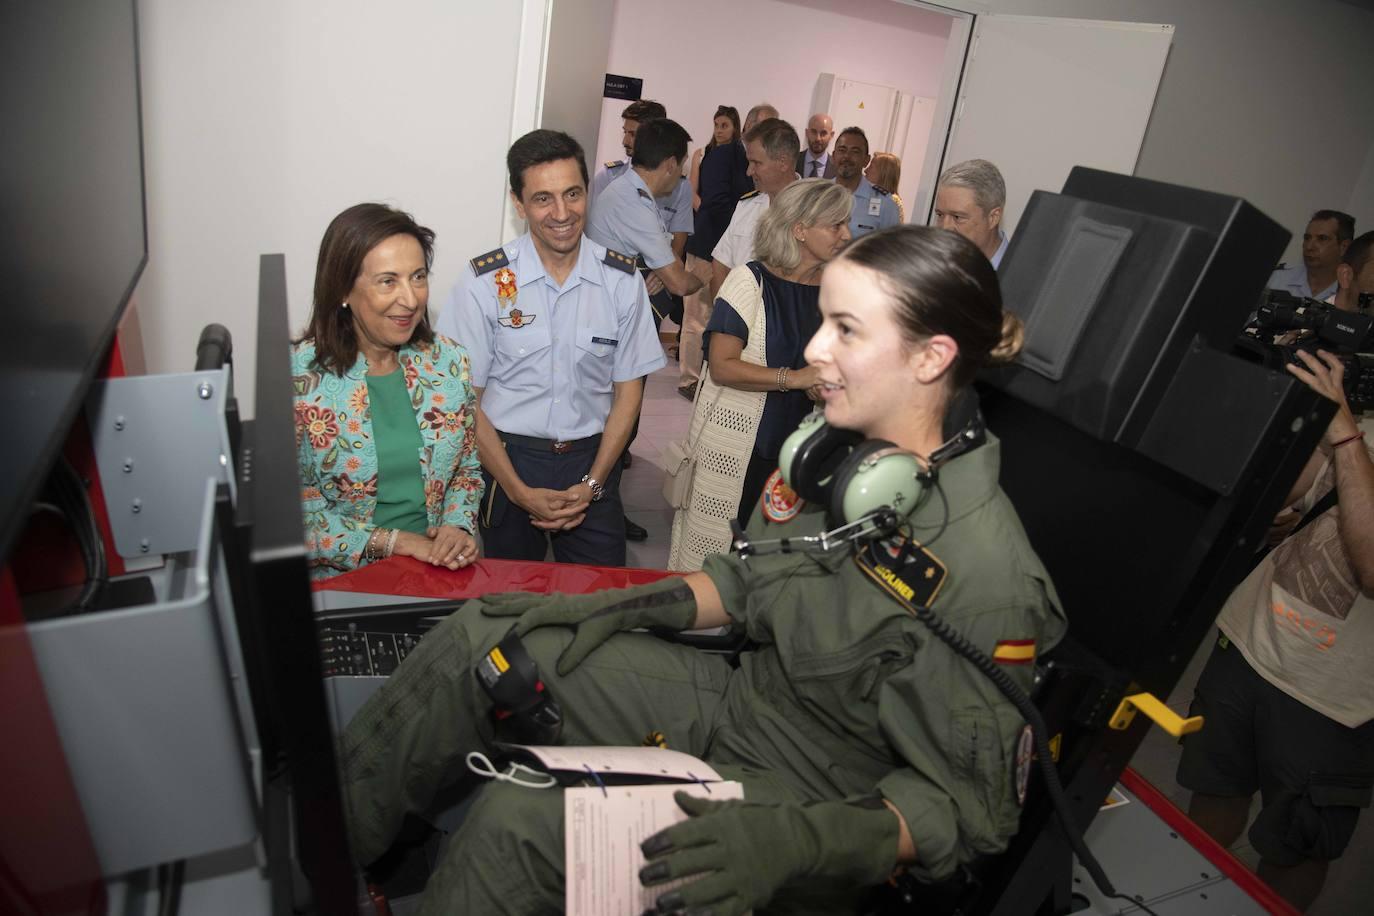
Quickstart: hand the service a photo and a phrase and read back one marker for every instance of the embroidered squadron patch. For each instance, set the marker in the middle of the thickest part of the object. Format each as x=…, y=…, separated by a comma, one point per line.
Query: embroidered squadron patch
x=780, y=502
x=516, y=319
x=505, y=288
x=1021, y=768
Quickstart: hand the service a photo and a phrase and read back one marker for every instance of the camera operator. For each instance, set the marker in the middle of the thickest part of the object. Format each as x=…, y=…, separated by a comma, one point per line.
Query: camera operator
x=1288, y=691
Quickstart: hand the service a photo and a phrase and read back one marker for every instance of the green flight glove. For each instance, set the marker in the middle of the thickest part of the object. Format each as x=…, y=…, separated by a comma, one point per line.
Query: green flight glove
x=667, y=603
x=749, y=851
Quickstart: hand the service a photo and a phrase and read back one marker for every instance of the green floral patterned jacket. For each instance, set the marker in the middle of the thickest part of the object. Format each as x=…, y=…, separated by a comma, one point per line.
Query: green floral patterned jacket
x=338, y=458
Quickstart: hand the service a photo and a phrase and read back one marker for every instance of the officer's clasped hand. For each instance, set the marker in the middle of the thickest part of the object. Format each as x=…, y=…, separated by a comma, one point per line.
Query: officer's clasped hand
x=668, y=603
x=745, y=852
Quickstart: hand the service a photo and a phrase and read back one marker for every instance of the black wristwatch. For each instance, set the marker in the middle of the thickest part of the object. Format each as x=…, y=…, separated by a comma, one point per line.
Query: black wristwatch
x=598, y=490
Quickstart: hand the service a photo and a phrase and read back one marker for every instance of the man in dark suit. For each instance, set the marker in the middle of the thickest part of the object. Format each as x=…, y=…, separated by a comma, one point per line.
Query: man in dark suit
x=815, y=161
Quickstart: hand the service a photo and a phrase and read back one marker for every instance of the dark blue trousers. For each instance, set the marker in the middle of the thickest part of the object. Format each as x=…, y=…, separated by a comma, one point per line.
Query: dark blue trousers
x=507, y=533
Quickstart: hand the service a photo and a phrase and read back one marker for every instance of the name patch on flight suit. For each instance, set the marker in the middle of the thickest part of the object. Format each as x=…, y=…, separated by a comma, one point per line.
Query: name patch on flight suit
x=903, y=569
x=780, y=502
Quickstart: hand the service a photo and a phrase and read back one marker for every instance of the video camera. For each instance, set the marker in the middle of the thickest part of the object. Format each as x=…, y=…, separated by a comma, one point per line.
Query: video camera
x=1285, y=324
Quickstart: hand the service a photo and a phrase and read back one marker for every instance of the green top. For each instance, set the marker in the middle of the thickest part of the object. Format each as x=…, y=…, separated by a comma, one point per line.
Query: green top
x=400, y=485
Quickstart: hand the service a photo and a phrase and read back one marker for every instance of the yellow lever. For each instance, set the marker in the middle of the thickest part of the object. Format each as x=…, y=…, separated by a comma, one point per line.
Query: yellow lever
x=1160, y=714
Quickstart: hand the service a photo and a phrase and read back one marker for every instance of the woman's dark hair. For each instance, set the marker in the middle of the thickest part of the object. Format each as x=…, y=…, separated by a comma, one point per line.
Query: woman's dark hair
x=942, y=284
x=538, y=147
x=724, y=111
x=350, y=236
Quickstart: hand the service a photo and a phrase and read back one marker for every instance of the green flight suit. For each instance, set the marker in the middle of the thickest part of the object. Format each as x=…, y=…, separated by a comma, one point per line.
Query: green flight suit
x=846, y=694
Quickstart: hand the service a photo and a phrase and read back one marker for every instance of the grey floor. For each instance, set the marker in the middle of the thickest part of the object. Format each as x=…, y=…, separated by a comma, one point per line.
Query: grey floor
x=1350, y=884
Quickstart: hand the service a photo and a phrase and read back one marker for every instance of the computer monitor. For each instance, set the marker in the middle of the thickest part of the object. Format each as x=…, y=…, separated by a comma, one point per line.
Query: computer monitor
x=265, y=555
x=72, y=219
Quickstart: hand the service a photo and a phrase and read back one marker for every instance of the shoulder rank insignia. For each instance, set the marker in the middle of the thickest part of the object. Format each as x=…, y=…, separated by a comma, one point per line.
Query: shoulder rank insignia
x=749, y=195
x=780, y=502
x=619, y=261
x=644, y=194
x=486, y=263
x=614, y=163
x=882, y=190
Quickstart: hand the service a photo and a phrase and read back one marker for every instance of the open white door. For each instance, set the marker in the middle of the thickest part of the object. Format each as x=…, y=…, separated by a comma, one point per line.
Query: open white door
x=1041, y=95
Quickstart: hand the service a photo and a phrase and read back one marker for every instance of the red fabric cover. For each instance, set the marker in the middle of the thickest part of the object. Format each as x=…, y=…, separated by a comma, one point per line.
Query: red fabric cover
x=411, y=578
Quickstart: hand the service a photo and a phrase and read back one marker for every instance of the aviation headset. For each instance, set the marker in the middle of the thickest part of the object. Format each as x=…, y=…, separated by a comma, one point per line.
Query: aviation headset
x=856, y=478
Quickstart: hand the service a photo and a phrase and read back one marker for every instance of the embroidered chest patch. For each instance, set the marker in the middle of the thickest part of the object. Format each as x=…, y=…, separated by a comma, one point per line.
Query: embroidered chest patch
x=780, y=502
x=516, y=319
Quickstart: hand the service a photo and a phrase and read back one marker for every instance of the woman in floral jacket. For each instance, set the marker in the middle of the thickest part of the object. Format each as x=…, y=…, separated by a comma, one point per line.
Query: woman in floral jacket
x=385, y=413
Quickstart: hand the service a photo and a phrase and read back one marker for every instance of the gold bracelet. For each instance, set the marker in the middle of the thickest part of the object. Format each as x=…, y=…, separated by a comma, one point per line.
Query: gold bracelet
x=782, y=378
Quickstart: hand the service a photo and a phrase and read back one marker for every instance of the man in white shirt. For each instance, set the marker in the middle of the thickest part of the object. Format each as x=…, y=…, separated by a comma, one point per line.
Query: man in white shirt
x=771, y=148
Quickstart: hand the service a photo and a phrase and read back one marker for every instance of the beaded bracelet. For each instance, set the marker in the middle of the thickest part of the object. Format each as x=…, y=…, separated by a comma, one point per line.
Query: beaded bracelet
x=1348, y=439
x=391, y=541
x=370, y=549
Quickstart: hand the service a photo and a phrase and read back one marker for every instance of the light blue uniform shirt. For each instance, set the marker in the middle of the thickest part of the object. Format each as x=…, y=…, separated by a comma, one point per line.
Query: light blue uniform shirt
x=675, y=208
x=611, y=172
x=625, y=218
x=549, y=373
x=1001, y=249
x=873, y=210
x=1294, y=280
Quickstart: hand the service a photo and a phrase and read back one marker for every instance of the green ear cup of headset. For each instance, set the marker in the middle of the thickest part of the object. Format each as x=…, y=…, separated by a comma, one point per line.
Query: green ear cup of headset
x=887, y=476
x=810, y=425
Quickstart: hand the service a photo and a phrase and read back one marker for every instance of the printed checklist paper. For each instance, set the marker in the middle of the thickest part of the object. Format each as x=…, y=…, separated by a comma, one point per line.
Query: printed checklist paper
x=602, y=832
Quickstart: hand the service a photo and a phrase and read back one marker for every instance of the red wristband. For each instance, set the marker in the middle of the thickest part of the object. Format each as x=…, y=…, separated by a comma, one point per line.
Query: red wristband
x=1348, y=439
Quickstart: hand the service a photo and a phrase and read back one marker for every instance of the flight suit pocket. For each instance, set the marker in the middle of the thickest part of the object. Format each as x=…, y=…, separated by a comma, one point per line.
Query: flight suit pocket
x=596, y=357
x=847, y=684
x=978, y=760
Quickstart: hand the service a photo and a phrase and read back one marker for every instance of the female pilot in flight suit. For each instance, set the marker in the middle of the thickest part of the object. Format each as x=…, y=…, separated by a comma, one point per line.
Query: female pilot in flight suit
x=863, y=742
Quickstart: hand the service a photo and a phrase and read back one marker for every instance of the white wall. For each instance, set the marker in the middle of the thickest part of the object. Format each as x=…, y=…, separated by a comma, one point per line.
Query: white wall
x=742, y=52
x=575, y=72
x=1270, y=100
x=265, y=118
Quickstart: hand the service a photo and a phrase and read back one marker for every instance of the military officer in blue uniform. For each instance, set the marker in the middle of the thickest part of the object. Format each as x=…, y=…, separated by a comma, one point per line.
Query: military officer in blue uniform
x=626, y=217
x=634, y=114
x=560, y=337
x=1325, y=240
x=874, y=207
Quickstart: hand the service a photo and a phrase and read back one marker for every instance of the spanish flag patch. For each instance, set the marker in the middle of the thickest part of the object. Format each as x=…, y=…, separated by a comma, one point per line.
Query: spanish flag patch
x=1014, y=652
